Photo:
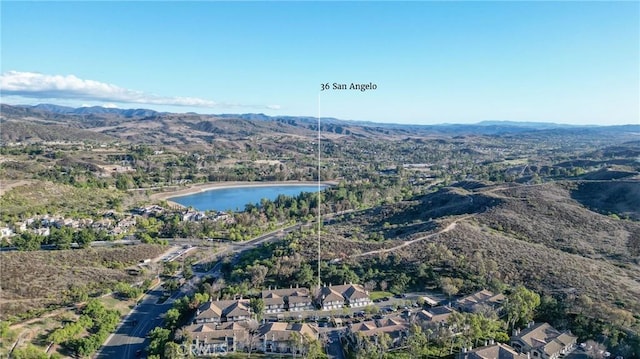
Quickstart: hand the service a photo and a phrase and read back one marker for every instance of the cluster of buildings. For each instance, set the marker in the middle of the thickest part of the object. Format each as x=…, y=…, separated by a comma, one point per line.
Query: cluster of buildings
x=190, y=215
x=536, y=341
x=226, y=325
x=41, y=225
x=112, y=223
x=329, y=297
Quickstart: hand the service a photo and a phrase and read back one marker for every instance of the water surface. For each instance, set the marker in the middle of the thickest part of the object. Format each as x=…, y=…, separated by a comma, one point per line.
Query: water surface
x=236, y=198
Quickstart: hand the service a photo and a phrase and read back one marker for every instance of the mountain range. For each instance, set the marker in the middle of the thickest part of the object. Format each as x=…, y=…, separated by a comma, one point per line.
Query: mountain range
x=47, y=122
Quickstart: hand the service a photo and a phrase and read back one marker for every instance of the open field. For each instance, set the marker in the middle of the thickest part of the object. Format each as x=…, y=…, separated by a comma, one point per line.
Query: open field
x=55, y=277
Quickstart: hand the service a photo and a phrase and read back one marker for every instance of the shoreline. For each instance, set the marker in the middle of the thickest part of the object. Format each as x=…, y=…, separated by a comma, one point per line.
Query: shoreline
x=211, y=186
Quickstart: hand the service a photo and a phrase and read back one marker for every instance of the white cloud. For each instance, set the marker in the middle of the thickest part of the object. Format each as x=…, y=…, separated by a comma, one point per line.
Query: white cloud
x=42, y=86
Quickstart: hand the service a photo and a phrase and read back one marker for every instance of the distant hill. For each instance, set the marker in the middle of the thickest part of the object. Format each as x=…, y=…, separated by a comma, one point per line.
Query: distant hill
x=13, y=131
x=152, y=127
x=93, y=110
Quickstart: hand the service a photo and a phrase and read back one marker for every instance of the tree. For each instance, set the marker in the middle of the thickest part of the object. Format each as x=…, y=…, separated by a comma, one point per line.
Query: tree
x=520, y=306
x=159, y=337
x=171, y=285
x=257, y=306
x=258, y=273
x=123, y=181
x=29, y=352
x=6, y=333
x=172, y=350
x=595, y=350
x=62, y=237
x=187, y=272
x=314, y=349
x=171, y=318
x=305, y=275
x=27, y=241
x=450, y=286
x=416, y=342
x=254, y=335
x=383, y=343
x=84, y=237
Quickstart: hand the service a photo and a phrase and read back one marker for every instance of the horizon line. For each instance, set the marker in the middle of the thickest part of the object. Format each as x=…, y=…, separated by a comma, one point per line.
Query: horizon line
x=372, y=122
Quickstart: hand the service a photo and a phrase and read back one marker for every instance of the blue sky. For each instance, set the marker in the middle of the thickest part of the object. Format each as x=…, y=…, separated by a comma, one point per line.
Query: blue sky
x=432, y=62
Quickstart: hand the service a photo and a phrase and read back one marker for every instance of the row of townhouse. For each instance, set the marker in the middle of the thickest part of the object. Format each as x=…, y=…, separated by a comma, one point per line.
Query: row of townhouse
x=395, y=327
x=536, y=341
x=225, y=326
x=283, y=300
x=327, y=298
x=212, y=339
x=41, y=225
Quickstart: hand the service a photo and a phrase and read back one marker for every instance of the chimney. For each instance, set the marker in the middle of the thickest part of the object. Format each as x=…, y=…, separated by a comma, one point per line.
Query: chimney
x=491, y=342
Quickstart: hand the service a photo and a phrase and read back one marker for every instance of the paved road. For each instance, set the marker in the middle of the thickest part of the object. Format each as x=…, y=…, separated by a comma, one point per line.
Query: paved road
x=334, y=346
x=131, y=335
x=130, y=338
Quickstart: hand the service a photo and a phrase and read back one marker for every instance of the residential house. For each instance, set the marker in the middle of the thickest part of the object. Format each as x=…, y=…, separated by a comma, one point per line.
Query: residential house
x=330, y=299
x=476, y=301
x=6, y=232
x=542, y=341
x=491, y=351
x=103, y=223
x=292, y=299
x=220, y=311
x=435, y=315
x=42, y=231
x=193, y=216
x=216, y=339
x=395, y=327
x=352, y=295
x=281, y=337
x=19, y=227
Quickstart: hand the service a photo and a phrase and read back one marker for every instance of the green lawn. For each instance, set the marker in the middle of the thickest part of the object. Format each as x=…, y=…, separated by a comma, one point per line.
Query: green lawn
x=379, y=294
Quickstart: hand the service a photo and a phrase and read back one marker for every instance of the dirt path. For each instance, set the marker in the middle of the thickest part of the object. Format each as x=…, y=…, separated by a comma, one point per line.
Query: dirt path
x=5, y=186
x=449, y=227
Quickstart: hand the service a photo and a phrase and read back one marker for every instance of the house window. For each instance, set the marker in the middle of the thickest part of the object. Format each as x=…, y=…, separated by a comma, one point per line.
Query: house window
x=535, y=354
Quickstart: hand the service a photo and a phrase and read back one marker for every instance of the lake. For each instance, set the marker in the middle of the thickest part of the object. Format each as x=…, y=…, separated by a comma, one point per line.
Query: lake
x=235, y=198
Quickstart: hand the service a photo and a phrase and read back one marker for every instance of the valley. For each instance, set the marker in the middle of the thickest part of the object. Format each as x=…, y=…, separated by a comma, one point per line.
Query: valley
x=449, y=209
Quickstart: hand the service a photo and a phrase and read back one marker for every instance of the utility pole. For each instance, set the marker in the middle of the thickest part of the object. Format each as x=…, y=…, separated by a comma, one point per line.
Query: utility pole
x=319, y=216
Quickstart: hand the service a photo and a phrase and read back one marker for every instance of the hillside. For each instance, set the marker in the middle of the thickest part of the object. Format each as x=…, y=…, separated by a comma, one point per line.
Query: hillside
x=14, y=131
x=618, y=197
x=56, y=277
x=159, y=128
x=536, y=234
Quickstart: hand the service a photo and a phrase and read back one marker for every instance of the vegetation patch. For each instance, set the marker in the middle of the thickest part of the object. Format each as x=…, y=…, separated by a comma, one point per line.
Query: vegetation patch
x=56, y=278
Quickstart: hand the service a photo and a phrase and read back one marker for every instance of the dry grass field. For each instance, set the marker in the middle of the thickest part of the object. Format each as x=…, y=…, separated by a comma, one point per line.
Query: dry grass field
x=537, y=234
x=33, y=281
